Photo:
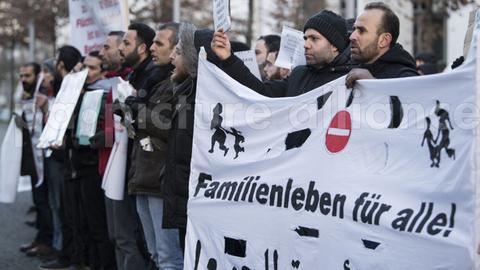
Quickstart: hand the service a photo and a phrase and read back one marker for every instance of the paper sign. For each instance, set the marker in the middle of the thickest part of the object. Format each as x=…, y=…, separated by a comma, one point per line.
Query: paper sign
x=113, y=182
x=249, y=59
x=124, y=90
x=221, y=14
x=292, y=52
x=92, y=20
x=88, y=117
x=114, y=178
x=62, y=110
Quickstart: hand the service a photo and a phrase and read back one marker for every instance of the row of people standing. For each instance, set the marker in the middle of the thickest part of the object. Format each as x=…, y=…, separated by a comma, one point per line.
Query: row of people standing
x=146, y=230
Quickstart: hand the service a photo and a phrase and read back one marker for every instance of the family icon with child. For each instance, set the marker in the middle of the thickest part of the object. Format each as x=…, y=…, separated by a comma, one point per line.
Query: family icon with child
x=220, y=134
x=434, y=145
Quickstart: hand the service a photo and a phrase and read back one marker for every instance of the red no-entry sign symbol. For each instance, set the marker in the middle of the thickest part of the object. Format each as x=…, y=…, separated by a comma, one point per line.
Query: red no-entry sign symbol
x=338, y=132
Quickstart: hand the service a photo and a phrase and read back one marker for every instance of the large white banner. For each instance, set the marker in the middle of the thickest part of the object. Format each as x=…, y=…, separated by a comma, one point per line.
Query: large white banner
x=381, y=178
x=92, y=20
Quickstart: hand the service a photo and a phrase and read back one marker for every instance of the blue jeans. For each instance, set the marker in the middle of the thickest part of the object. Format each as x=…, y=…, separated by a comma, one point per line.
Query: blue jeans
x=54, y=177
x=163, y=244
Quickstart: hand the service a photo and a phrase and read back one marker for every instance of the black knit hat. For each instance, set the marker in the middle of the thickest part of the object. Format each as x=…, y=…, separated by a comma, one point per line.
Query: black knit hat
x=331, y=26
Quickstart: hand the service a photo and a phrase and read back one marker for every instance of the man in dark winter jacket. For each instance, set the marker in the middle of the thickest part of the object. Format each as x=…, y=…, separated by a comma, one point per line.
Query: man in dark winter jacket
x=84, y=169
x=135, y=52
x=325, y=40
x=150, y=149
x=122, y=220
x=72, y=251
x=374, y=46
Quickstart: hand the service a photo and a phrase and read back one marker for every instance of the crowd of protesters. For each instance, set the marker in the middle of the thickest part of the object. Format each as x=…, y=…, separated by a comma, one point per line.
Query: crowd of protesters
x=78, y=226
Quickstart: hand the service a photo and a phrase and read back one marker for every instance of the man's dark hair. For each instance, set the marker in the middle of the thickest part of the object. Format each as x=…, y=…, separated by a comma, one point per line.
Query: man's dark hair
x=174, y=27
x=274, y=46
x=238, y=46
x=390, y=22
x=36, y=67
x=426, y=57
x=350, y=22
x=70, y=56
x=145, y=34
x=118, y=34
x=271, y=42
x=96, y=54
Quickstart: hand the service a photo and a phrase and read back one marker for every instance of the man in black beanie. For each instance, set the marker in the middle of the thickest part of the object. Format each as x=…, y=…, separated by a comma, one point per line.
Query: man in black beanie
x=325, y=40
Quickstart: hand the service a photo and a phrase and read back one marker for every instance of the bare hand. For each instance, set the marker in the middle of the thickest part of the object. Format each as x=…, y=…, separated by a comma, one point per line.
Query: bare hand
x=41, y=102
x=357, y=74
x=221, y=45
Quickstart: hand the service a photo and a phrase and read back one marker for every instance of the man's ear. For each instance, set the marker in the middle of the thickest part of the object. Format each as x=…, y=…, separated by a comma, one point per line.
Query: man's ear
x=60, y=65
x=385, y=40
x=334, y=49
x=142, y=49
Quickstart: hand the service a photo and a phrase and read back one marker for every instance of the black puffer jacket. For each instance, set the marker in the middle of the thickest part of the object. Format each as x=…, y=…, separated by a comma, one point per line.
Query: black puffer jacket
x=301, y=80
x=175, y=190
x=148, y=167
x=395, y=63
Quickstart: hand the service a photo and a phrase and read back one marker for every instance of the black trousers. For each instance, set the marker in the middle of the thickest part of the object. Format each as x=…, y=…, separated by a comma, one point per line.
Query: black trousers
x=74, y=228
x=44, y=214
x=92, y=198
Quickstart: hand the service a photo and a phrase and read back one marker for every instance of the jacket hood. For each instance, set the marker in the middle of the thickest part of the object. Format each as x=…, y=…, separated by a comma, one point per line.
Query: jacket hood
x=203, y=38
x=397, y=55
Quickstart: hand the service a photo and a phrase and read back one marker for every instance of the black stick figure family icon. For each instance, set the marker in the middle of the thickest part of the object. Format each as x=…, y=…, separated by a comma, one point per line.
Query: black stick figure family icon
x=220, y=134
x=435, y=148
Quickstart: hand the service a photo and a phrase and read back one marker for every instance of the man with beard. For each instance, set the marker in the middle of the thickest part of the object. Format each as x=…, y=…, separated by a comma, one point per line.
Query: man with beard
x=150, y=153
x=111, y=58
x=263, y=45
x=31, y=123
x=374, y=46
x=135, y=53
x=122, y=220
x=325, y=37
x=273, y=72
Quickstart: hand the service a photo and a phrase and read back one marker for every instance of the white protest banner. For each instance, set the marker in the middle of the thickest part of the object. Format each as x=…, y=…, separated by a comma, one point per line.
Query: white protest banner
x=249, y=59
x=92, y=20
x=113, y=181
x=62, y=110
x=10, y=162
x=221, y=15
x=292, y=52
x=384, y=181
x=88, y=116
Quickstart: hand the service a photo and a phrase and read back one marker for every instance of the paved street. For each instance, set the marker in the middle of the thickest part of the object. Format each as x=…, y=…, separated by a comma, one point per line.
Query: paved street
x=14, y=232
